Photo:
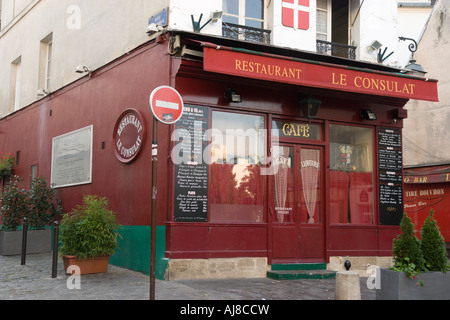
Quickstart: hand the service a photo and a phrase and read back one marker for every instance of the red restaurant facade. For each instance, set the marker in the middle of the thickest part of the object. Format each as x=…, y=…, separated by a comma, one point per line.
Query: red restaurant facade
x=246, y=173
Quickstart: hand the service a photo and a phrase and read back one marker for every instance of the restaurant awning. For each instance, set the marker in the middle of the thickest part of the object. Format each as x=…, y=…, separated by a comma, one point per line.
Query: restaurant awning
x=272, y=67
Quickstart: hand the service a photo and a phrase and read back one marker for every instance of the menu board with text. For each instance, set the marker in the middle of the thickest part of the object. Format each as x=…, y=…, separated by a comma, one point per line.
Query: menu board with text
x=191, y=170
x=390, y=176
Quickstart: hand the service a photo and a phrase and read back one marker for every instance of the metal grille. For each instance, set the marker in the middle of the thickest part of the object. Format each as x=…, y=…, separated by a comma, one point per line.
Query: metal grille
x=336, y=49
x=235, y=31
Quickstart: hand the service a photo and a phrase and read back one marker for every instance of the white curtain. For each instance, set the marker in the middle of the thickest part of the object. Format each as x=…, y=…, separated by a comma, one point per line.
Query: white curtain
x=282, y=163
x=310, y=163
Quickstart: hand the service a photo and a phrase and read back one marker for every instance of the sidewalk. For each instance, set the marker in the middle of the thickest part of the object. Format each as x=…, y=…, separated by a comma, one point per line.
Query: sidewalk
x=34, y=282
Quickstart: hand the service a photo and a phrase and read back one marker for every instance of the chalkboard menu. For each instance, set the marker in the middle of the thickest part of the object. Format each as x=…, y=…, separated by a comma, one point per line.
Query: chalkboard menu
x=191, y=170
x=390, y=176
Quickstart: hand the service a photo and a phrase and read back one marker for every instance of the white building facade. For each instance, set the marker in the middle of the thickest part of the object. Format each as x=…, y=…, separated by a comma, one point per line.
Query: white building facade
x=43, y=41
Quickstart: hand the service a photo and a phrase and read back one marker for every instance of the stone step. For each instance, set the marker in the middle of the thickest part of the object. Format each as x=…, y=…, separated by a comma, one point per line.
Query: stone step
x=300, y=274
x=295, y=271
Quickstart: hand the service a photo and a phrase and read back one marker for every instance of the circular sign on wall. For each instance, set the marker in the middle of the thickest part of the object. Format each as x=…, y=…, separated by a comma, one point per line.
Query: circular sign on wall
x=166, y=104
x=129, y=134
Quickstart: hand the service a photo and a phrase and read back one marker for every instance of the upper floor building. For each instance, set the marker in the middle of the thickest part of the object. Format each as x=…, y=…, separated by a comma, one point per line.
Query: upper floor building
x=47, y=44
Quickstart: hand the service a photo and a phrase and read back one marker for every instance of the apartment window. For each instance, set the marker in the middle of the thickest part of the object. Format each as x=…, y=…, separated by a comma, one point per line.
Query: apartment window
x=16, y=78
x=244, y=20
x=248, y=13
x=324, y=20
x=45, y=62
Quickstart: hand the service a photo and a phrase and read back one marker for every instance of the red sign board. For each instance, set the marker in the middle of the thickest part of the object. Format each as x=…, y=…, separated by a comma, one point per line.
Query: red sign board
x=128, y=137
x=318, y=75
x=421, y=198
x=166, y=104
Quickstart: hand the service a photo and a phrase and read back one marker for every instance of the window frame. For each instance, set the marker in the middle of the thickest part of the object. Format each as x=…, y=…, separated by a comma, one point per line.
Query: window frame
x=374, y=173
x=242, y=14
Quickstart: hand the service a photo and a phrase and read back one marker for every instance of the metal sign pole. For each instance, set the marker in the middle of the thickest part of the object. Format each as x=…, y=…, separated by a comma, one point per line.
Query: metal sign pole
x=153, y=214
x=166, y=105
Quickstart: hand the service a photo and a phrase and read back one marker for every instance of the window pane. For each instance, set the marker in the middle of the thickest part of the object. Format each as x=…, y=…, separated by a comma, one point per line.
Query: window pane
x=254, y=9
x=351, y=175
x=322, y=22
x=230, y=19
x=283, y=184
x=236, y=184
x=231, y=6
x=322, y=4
x=310, y=191
x=254, y=23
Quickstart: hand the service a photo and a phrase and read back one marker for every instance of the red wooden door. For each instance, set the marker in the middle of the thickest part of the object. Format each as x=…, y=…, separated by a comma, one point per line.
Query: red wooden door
x=297, y=209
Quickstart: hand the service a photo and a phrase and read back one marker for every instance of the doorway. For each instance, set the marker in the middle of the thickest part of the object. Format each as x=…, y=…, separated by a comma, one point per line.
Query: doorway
x=297, y=208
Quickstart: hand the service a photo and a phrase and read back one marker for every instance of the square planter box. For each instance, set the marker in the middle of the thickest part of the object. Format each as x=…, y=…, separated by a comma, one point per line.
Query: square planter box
x=87, y=266
x=38, y=241
x=397, y=286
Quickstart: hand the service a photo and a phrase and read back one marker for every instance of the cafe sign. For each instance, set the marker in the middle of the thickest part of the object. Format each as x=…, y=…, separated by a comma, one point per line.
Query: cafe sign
x=302, y=72
x=128, y=136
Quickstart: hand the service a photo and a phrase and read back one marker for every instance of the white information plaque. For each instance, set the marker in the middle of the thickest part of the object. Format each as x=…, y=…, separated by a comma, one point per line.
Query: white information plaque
x=72, y=158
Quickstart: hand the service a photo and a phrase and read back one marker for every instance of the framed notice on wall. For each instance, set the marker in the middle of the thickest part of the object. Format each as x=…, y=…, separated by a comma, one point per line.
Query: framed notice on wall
x=72, y=158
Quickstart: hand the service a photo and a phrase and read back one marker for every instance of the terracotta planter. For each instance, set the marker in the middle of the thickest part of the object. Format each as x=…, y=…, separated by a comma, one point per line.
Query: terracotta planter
x=88, y=265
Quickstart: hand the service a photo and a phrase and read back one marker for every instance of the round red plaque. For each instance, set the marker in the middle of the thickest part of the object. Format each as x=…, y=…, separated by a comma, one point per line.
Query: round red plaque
x=128, y=136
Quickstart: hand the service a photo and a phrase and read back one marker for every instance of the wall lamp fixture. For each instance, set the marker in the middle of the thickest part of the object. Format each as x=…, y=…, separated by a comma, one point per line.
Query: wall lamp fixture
x=82, y=69
x=310, y=106
x=232, y=96
x=366, y=114
x=42, y=92
x=214, y=17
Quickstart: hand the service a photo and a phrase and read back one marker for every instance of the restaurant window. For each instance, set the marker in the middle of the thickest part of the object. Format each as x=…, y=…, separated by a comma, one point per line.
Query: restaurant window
x=236, y=186
x=351, y=175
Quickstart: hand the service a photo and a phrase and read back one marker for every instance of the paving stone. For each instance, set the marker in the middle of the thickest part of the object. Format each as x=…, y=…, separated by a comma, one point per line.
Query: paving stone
x=34, y=282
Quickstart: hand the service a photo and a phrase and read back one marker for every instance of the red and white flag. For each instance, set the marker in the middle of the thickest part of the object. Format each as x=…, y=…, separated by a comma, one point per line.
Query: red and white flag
x=296, y=14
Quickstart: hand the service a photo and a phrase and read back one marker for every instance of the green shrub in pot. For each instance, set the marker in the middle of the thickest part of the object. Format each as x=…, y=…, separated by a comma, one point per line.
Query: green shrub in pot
x=89, y=230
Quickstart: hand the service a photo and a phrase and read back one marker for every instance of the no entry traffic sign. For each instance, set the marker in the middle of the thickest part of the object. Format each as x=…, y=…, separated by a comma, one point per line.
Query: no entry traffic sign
x=166, y=104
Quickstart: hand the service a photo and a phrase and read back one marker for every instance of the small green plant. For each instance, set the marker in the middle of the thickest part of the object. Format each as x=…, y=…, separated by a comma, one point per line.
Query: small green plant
x=433, y=245
x=14, y=205
x=90, y=230
x=406, y=250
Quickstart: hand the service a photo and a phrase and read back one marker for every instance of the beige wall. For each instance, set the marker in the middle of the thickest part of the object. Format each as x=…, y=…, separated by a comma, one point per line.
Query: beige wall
x=85, y=32
x=427, y=130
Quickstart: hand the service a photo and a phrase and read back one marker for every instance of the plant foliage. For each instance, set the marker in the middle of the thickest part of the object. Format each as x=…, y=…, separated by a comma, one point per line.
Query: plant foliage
x=406, y=250
x=90, y=230
x=39, y=205
x=433, y=245
x=14, y=205
x=44, y=207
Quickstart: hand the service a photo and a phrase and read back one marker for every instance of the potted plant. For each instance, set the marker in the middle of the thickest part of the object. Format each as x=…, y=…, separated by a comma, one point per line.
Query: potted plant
x=419, y=271
x=88, y=235
x=39, y=205
x=6, y=164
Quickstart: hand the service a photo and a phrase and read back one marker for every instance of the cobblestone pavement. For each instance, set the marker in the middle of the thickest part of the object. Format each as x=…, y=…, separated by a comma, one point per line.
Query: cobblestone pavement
x=34, y=282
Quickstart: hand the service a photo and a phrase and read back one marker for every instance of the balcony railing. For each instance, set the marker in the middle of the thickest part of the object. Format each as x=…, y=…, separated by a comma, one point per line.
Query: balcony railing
x=336, y=49
x=236, y=31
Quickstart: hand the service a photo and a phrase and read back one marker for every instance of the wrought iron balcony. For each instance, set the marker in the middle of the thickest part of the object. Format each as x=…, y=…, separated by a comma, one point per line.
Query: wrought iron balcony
x=336, y=49
x=236, y=31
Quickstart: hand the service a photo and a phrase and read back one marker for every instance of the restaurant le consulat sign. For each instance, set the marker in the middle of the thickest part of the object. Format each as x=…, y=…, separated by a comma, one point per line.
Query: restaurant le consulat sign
x=128, y=136
x=319, y=75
